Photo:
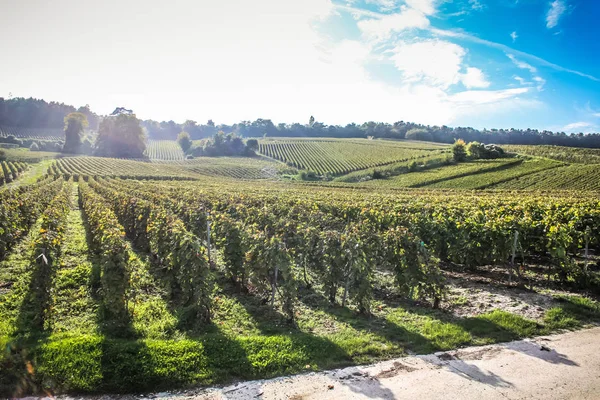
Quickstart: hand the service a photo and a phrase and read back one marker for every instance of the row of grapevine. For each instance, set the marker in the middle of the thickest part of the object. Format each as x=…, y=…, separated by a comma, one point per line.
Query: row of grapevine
x=10, y=170
x=273, y=254
x=231, y=167
x=158, y=231
x=338, y=157
x=560, y=153
x=489, y=179
x=164, y=150
x=578, y=177
x=33, y=133
x=46, y=253
x=426, y=177
x=99, y=166
x=477, y=230
x=21, y=207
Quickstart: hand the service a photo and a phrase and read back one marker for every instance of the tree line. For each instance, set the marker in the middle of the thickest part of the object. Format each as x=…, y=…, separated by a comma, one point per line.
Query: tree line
x=36, y=113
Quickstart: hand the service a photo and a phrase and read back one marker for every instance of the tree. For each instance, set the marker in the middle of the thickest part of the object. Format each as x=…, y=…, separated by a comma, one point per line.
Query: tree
x=75, y=124
x=418, y=134
x=2, y=155
x=252, y=144
x=458, y=150
x=475, y=150
x=121, y=136
x=184, y=141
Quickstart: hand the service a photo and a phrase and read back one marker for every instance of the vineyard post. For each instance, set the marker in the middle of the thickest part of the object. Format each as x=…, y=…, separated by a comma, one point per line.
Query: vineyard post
x=208, y=238
x=587, y=242
x=274, y=287
x=512, y=260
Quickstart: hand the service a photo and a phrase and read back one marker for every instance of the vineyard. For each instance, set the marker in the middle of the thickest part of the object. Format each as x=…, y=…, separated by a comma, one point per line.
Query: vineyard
x=489, y=179
x=565, y=154
x=572, y=177
x=115, y=285
x=164, y=150
x=122, y=275
x=200, y=168
x=434, y=175
x=32, y=133
x=339, y=157
x=9, y=171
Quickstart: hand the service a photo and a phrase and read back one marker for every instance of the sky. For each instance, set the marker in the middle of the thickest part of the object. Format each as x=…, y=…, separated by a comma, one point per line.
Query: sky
x=480, y=63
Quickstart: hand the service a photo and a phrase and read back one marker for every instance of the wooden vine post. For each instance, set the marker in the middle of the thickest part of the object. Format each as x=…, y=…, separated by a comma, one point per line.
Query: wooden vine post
x=208, y=239
x=512, y=259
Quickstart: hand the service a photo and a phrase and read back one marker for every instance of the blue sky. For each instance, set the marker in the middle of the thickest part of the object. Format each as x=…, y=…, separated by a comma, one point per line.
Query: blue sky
x=480, y=63
x=542, y=57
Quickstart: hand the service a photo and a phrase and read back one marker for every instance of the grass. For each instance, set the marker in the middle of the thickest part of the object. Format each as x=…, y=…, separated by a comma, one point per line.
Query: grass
x=431, y=176
x=28, y=156
x=485, y=180
x=572, y=177
x=247, y=339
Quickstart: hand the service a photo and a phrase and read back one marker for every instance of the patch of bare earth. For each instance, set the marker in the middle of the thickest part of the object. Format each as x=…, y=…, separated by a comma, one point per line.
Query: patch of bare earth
x=471, y=295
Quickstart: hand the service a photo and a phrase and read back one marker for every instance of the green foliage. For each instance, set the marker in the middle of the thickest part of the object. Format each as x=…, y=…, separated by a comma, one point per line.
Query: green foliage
x=121, y=136
x=221, y=144
x=2, y=155
x=418, y=134
x=476, y=150
x=75, y=124
x=183, y=139
x=21, y=208
x=459, y=151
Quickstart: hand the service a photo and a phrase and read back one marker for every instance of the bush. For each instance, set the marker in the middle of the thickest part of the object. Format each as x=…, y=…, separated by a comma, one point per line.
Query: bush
x=184, y=141
x=377, y=174
x=459, y=150
x=308, y=176
x=2, y=155
x=34, y=147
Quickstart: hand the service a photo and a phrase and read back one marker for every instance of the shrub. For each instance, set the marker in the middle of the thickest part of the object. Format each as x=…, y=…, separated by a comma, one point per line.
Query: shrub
x=459, y=151
x=34, y=147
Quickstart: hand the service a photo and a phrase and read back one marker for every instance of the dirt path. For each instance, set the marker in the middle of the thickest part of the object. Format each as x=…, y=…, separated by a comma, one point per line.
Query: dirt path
x=567, y=367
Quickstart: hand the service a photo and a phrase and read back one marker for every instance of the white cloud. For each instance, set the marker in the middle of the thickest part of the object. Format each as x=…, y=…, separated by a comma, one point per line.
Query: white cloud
x=437, y=63
x=381, y=28
x=476, y=5
x=471, y=97
x=577, y=127
x=540, y=81
x=427, y=7
x=557, y=9
x=474, y=78
x=522, y=64
x=522, y=81
x=384, y=5
x=514, y=36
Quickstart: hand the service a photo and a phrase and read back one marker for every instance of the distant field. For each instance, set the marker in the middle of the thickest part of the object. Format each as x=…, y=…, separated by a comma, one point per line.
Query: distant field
x=431, y=176
x=485, y=180
x=31, y=133
x=560, y=153
x=26, y=155
x=338, y=157
x=236, y=167
x=232, y=167
x=572, y=177
x=164, y=150
x=99, y=166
